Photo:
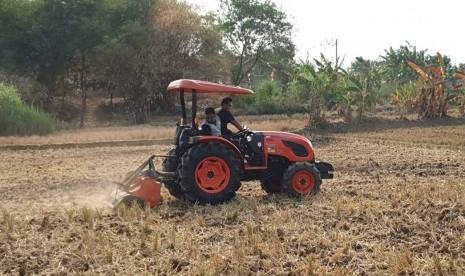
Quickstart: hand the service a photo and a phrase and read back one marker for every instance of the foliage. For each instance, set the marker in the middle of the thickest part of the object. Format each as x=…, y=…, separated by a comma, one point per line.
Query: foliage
x=145, y=53
x=269, y=98
x=313, y=85
x=255, y=30
x=132, y=48
x=444, y=62
x=457, y=96
x=432, y=99
x=365, y=77
x=394, y=66
x=16, y=118
x=405, y=97
x=42, y=37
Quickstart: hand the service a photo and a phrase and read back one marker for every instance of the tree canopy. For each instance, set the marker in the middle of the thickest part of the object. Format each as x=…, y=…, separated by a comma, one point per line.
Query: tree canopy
x=255, y=30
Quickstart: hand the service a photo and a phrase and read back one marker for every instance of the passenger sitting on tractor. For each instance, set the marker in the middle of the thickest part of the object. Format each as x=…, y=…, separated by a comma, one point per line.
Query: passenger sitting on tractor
x=211, y=124
x=224, y=113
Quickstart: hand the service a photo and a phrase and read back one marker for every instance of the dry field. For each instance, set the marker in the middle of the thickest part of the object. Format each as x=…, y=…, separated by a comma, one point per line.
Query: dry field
x=162, y=128
x=393, y=208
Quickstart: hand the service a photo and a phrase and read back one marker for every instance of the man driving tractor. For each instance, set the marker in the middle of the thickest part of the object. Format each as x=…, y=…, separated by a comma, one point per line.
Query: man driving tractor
x=224, y=113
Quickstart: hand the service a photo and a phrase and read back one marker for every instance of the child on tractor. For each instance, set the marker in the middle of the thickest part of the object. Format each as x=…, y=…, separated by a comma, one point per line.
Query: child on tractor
x=212, y=124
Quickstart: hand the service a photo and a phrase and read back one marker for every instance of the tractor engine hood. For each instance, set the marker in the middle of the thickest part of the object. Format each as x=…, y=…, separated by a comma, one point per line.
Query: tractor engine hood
x=296, y=148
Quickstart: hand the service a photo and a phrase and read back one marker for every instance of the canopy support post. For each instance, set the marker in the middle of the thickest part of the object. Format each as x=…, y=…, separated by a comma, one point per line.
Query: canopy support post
x=194, y=106
x=183, y=107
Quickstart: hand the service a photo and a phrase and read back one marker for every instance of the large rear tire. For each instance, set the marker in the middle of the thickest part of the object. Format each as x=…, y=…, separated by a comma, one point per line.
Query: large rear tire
x=301, y=180
x=171, y=165
x=210, y=173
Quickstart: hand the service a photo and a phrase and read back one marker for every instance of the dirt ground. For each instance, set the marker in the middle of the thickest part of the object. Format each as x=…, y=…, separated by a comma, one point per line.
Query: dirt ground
x=393, y=208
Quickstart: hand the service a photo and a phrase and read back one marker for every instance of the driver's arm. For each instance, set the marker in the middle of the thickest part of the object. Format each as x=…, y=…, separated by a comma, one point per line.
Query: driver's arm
x=237, y=125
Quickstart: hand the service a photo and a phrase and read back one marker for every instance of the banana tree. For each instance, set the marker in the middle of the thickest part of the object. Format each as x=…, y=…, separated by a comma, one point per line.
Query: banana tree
x=458, y=93
x=394, y=68
x=316, y=83
x=405, y=97
x=344, y=97
x=365, y=81
x=432, y=98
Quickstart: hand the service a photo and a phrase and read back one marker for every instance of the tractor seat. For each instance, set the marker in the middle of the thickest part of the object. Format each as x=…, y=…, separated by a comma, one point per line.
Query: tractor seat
x=206, y=130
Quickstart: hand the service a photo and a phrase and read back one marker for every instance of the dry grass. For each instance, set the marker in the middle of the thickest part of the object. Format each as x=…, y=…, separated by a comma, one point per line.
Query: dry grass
x=392, y=209
x=87, y=135
x=453, y=136
x=164, y=129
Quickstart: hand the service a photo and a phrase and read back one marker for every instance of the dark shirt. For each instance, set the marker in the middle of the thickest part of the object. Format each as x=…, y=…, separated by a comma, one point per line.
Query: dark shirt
x=226, y=117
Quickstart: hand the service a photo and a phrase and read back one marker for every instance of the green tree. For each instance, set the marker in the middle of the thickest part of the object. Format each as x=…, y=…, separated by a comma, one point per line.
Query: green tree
x=313, y=85
x=365, y=77
x=50, y=40
x=155, y=42
x=253, y=28
x=394, y=66
x=31, y=44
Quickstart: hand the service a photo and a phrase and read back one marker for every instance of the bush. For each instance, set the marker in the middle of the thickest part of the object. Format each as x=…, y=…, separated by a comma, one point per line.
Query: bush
x=270, y=99
x=17, y=118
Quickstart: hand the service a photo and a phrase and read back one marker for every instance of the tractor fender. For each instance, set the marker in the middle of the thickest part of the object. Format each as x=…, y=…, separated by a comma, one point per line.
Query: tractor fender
x=216, y=139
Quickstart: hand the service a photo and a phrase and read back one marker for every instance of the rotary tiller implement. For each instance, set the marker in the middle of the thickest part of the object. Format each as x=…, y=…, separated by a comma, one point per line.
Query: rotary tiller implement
x=142, y=186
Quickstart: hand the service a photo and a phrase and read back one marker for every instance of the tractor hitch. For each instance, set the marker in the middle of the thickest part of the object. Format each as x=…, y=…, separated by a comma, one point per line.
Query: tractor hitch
x=142, y=186
x=326, y=169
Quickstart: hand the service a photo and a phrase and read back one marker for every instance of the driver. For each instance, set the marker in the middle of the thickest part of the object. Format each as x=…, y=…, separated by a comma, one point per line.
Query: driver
x=224, y=113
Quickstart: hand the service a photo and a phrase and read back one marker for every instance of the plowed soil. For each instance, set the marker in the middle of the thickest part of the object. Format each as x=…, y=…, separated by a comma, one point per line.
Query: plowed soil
x=392, y=209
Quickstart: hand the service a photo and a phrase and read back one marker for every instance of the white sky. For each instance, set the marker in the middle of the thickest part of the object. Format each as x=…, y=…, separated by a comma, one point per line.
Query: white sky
x=365, y=28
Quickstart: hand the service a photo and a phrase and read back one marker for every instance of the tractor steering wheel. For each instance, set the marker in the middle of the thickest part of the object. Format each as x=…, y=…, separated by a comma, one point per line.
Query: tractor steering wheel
x=241, y=132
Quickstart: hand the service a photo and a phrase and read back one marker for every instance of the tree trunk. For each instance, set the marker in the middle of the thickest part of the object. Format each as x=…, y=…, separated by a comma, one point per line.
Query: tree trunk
x=51, y=89
x=315, y=110
x=348, y=114
x=111, y=101
x=63, y=101
x=82, y=80
x=360, y=113
x=432, y=102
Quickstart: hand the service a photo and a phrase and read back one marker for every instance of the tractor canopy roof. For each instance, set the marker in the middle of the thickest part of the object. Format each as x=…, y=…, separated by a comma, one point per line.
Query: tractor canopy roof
x=205, y=87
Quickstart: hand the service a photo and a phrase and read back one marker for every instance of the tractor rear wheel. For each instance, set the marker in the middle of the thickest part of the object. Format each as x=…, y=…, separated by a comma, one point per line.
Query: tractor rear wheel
x=210, y=173
x=301, y=180
x=171, y=165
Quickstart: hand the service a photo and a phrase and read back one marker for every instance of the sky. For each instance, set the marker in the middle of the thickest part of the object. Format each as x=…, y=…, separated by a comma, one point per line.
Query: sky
x=366, y=28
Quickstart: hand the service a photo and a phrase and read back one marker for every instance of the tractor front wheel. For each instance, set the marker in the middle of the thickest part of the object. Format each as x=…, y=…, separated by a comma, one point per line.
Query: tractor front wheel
x=301, y=180
x=210, y=173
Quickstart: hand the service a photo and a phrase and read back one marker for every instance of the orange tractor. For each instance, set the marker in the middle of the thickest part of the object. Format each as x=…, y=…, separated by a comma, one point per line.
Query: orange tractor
x=209, y=169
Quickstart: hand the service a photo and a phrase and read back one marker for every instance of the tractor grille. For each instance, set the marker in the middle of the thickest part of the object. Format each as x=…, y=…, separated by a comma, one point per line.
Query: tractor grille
x=298, y=150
